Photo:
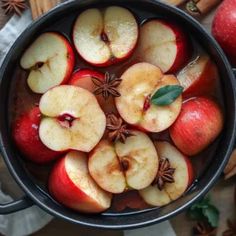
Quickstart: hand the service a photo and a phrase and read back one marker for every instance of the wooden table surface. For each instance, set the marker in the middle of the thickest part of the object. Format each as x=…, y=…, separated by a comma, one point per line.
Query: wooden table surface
x=221, y=194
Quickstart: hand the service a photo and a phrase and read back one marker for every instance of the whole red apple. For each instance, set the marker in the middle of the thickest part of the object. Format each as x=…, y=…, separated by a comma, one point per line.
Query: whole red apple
x=224, y=28
x=199, y=123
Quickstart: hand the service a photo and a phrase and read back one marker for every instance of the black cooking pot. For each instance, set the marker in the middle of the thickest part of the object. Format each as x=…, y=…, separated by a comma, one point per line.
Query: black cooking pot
x=37, y=195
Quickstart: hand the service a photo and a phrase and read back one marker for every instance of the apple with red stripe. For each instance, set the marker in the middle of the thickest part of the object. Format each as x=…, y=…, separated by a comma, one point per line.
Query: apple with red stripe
x=84, y=79
x=71, y=185
x=72, y=119
x=174, y=176
x=50, y=61
x=199, y=77
x=26, y=136
x=105, y=36
x=139, y=84
x=164, y=44
x=197, y=126
x=119, y=166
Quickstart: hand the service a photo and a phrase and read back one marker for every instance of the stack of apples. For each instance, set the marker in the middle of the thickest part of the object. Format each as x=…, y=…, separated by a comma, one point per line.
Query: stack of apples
x=97, y=128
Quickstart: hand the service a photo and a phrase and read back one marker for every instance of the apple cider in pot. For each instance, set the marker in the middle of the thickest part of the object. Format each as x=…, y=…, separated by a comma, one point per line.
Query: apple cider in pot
x=111, y=109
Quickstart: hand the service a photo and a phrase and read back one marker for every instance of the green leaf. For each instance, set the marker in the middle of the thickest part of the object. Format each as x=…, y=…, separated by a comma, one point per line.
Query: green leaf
x=166, y=95
x=195, y=214
x=212, y=215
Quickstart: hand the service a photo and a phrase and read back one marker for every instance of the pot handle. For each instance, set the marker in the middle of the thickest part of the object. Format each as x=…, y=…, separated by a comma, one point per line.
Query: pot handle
x=16, y=205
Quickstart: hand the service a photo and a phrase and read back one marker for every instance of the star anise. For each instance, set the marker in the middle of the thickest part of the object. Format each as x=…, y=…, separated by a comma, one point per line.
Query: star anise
x=107, y=87
x=231, y=231
x=204, y=229
x=165, y=174
x=118, y=130
x=13, y=6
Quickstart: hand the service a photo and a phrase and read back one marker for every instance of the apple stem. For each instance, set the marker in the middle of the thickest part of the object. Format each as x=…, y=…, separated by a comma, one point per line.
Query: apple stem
x=147, y=103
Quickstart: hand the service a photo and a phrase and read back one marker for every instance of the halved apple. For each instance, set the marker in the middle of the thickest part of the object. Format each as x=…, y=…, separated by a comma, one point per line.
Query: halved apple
x=104, y=37
x=83, y=79
x=182, y=177
x=72, y=119
x=118, y=166
x=139, y=83
x=71, y=185
x=164, y=44
x=199, y=77
x=50, y=60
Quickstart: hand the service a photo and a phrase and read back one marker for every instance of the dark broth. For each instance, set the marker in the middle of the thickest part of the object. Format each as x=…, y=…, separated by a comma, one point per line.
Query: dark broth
x=22, y=99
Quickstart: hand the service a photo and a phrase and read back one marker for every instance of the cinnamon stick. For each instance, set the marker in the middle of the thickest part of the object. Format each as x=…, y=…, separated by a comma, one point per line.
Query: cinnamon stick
x=201, y=7
x=39, y=7
x=174, y=2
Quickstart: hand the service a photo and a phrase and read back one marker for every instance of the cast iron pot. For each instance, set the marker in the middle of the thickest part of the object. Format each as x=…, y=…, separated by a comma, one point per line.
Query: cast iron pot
x=36, y=195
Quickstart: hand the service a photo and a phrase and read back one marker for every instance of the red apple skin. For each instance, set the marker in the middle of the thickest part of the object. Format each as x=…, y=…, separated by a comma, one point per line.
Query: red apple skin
x=84, y=73
x=82, y=78
x=26, y=137
x=65, y=191
x=199, y=123
x=190, y=171
x=206, y=83
x=70, y=59
x=184, y=47
x=224, y=28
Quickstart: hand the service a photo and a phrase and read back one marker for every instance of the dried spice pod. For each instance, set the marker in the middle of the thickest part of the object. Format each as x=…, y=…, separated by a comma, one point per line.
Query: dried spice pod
x=201, y=7
x=13, y=6
x=107, y=87
x=165, y=174
x=117, y=129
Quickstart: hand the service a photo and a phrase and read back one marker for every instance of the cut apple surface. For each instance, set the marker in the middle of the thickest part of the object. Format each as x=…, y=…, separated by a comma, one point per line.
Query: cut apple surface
x=26, y=137
x=71, y=185
x=198, y=125
x=105, y=168
x=83, y=78
x=139, y=83
x=199, y=77
x=104, y=37
x=182, y=177
x=164, y=44
x=72, y=119
x=50, y=61
x=118, y=166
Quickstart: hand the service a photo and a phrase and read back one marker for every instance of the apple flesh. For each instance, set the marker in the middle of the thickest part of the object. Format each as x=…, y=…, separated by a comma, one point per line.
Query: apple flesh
x=71, y=185
x=50, y=60
x=139, y=82
x=182, y=177
x=224, y=28
x=72, y=119
x=105, y=37
x=199, y=77
x=198, y=125
x=105, y=168
x=83, y=78
x=118, y=166
x=26, y=136
x=164, y=44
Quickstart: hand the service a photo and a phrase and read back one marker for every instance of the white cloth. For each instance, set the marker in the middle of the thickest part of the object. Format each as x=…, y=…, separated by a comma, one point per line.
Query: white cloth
x=30, y=220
